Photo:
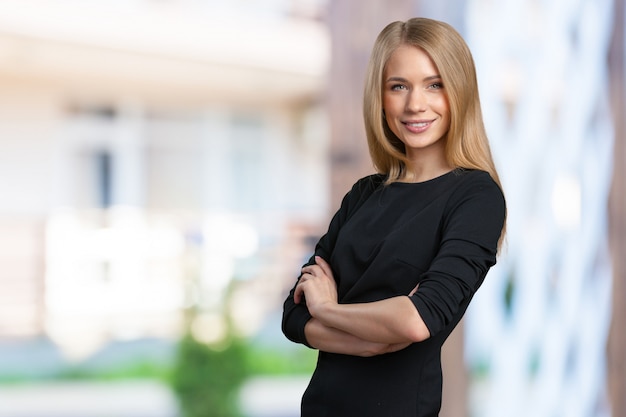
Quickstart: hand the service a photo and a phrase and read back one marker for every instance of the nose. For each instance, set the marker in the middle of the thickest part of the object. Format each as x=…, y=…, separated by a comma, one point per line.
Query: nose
x=416, y=101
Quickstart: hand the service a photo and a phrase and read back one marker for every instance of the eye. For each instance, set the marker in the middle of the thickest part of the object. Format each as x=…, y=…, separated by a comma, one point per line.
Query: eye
x=397, y=87
x=436, y=86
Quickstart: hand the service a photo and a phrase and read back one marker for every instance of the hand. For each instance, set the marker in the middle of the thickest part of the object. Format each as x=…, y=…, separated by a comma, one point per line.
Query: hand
x=317, y=284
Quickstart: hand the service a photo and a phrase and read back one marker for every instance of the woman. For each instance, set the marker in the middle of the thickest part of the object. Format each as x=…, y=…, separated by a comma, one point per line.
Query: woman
x=410, y=245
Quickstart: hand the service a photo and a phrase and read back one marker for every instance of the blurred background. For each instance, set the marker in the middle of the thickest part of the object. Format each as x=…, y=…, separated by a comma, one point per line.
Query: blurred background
x=166, y=166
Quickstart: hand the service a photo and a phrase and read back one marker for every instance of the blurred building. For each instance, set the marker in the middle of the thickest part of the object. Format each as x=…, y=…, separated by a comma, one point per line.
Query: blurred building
x=151, y=152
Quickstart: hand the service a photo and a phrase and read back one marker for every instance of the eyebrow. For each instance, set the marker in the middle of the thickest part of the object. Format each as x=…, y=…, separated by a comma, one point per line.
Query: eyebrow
x=400, y=79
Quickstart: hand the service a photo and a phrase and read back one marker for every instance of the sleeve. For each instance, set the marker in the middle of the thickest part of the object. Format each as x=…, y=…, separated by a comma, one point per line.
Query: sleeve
x=471, y=230
x=295, y=316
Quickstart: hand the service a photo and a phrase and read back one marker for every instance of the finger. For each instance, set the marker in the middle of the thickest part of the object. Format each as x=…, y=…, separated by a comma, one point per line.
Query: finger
x=310, y=269
x=324, y=265
x=297, y=294
x=299, y=291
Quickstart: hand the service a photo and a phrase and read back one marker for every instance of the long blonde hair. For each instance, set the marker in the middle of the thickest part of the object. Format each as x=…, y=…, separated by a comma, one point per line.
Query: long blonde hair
x=467, y=145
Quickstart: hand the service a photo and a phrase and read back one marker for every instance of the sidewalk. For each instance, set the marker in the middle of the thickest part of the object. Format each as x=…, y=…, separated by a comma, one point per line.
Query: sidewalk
x=88, y=399
x=260, y=397
x=273, y=396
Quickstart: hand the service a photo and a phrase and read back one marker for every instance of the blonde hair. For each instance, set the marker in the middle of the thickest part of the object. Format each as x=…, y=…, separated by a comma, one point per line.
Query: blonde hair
x=467, y=145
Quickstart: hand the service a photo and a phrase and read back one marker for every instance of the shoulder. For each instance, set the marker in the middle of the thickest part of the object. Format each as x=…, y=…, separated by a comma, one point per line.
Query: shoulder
x=472, y=181
x=368, y=183
x=361, y=191
x=476, y=207
x=364, y=187
x=478, y=190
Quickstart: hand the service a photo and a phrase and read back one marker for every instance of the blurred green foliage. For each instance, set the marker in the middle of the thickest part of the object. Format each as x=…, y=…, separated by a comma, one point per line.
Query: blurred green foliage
x=140, y=369
x=265, y=361
x=207, y=380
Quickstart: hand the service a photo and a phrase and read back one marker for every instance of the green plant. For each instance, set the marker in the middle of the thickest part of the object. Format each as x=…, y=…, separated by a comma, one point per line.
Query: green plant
x=267, y=361
x=206, y=380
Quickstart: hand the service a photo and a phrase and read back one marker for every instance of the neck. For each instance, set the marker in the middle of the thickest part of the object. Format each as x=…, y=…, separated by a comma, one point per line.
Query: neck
x=420, y=171
x=426, y=163
x=411, y=176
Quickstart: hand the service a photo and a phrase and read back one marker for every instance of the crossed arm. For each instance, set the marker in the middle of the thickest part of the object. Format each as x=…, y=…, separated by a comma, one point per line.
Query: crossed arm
x=363, y=329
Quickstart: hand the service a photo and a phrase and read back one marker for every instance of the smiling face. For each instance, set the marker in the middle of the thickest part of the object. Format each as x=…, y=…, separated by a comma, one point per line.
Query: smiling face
x=415, y=103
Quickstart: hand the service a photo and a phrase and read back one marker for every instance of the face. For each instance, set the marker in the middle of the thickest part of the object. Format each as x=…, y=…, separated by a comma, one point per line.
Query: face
x=415, y=103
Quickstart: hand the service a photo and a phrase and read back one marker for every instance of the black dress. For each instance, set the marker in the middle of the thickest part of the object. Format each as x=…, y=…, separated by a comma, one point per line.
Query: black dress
x=442, y=234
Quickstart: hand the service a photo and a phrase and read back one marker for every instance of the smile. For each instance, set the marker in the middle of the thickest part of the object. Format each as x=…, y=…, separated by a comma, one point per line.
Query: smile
x=418, y=124
x=418, y=127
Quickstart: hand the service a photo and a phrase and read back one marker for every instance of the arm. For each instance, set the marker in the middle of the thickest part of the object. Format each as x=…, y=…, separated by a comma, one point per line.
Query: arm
x=329, y=339
x=394, y=320
x=472, y=224
x=391, y=321
x=296, y=315
x=471, y=227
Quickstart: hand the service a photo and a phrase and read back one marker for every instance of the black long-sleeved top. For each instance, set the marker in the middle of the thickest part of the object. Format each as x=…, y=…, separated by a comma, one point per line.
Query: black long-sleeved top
x=383, y=241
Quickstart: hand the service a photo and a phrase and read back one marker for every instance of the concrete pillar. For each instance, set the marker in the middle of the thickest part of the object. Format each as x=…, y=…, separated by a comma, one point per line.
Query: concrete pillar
x=616, y=349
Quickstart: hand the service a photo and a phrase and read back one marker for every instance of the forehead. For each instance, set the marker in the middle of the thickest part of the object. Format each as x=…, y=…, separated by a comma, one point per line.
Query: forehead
x=409, y=59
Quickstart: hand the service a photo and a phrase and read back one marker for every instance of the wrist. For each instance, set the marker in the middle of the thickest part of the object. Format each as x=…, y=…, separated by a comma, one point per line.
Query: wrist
x=322, y=312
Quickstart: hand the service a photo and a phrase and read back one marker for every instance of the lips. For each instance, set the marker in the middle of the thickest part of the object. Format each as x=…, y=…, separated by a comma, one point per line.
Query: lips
x=418, y=126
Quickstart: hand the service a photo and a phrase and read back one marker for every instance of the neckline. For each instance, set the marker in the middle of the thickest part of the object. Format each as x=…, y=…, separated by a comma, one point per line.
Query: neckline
x=434, y=179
